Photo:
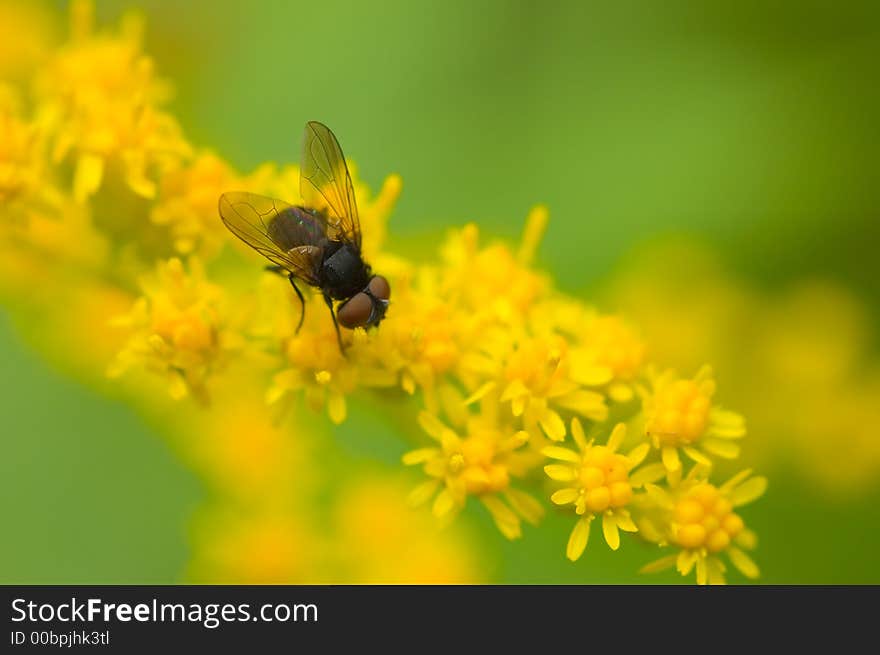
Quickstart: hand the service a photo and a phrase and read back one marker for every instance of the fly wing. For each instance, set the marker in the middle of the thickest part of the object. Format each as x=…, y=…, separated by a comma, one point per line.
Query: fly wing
x=325, y=184
x=263, y=223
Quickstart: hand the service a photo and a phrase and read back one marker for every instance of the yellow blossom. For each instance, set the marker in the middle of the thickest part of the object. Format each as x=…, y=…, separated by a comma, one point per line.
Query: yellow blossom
x=608, y=352
x=679, y=414
x=178, y=329
x=598, y=483
x=101, y=97
x=698, y=519
x=187, y=203
x=478, y=458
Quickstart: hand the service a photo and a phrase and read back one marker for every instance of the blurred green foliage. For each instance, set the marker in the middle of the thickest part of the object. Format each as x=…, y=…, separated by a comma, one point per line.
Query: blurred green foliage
x=753, y=126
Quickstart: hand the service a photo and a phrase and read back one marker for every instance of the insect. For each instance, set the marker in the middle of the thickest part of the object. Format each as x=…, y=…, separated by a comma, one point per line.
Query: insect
x=318, y=243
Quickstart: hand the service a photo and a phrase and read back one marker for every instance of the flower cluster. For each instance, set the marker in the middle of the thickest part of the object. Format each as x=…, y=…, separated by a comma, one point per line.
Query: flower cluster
x=517, y=397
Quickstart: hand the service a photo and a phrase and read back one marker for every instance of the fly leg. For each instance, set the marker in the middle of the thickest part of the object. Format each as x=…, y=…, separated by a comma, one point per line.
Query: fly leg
x=302, y=303
x=280, y=270
x=329, y=302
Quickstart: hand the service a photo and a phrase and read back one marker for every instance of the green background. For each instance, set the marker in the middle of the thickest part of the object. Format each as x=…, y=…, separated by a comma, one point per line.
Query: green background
x=754, y=127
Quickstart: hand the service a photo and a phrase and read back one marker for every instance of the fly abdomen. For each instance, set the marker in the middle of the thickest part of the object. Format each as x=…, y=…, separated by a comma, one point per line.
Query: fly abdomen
x=295, y=226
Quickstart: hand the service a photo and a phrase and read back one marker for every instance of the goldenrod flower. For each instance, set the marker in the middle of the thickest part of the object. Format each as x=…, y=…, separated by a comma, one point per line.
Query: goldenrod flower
x=478, y=458
x=101, y=96
x=599, y=484
x=538, y=379
x=698, y=518
x=679, y=415
x=179, y=329
x=187, y=203
x=608, y=352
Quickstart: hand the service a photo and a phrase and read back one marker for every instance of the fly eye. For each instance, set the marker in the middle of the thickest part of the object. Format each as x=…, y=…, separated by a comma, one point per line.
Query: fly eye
x=356, y=311
x=380, y=288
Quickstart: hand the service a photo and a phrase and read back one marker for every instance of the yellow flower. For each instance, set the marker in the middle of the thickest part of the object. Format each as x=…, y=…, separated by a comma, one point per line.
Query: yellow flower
x=608, y=352
x=538, y=379
x=598, y=484
x=697, y=518
x=478, y=458
x=187, y=203
x=318, y=369
x=179, y=329
x=679, y=415
x=101, y=96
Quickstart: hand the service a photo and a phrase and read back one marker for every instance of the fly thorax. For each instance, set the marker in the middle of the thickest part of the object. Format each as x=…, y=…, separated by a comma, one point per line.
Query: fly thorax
x=344, y=272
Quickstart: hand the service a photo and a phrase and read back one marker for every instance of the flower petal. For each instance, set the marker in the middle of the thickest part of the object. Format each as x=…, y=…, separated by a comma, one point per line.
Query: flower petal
x=578, y=539
x=620, y=393
x=513, y=390
x=660, y=496
x=422, y=493
x=743, y=562
x=750, y=490
x=646, y=474
x=727, y=419
x=87, y=177
x=685, y=562
x=670, y=458
x=564, y=496
x=624, y=521
x=615, y=439
x=577, y=432
x=443, y=504
x=560, y=453
x=735, y=480
x=586, y=403
x=505, y=519
x=720, y=447
x=560, y=472
x=525, y=505
x=479, y=393
x=659, y=564
x=747, y=539
x=432, y=425
x=726, y=433
x=336, y=408
x=553, y=425
x=589, y=375
x=716, y=571
x=702, y=571
x=418, y=456
x=609, y=528
x=637, y=455
x=697, y=456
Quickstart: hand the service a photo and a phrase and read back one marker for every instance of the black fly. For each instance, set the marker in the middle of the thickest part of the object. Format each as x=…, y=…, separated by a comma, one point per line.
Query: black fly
x=318, y=243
